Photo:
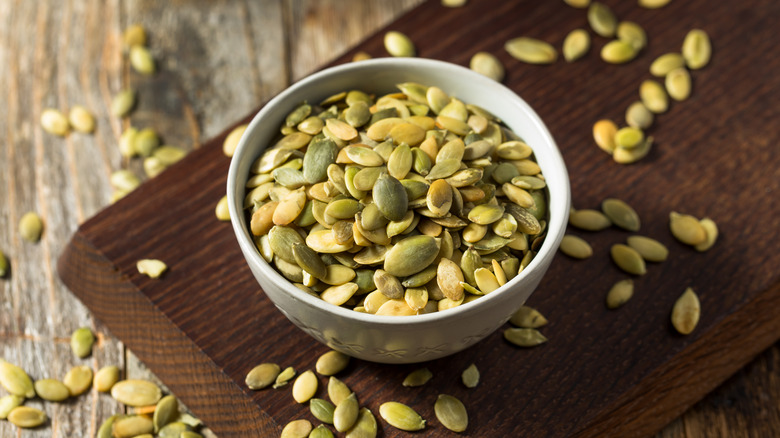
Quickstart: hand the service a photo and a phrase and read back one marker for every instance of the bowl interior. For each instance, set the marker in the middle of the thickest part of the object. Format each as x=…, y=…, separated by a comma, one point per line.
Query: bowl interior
x=380, y=76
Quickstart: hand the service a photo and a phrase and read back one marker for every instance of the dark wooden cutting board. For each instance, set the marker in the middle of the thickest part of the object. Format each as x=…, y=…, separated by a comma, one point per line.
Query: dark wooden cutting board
x=603, y=373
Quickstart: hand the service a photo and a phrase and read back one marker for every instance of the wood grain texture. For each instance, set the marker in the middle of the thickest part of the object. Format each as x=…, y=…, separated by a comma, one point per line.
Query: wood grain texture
x=221, y=59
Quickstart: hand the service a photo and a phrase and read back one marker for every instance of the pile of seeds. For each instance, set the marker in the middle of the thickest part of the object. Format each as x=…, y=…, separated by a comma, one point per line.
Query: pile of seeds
x=410, y=203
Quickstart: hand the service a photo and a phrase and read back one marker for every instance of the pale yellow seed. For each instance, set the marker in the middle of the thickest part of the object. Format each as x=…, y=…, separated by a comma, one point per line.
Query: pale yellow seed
x=686, y=312
x=231, y=141
x=134, y=392
x=653, y=4
x=531, y=50
x=81, y=119
x=665, y=63
x=418, y=377
x=697, y=49
x=486, y=281
x=151, y=267
x=331, y=363
x=576, y=45
x=711, y=228
x=141, y=60
x=453, y=3
x=338, y=391
x=451, y=413
x=618, y=52
x=360, y=56
x=654, y=96
x=221, y=210
x=398, y=44
x=678, y=84
x=26, y=417
x=262, y=376
x=577, y=247
x=51, y=390
x=346, y=413
x=581, y=4
x=8, y=403
x=632, y=33
x=488, y=65
x=401, y=416
x=638, y=116
x=305, y=387
x=528, y=317
x=297, y=429
x=632, y=155
x=602, y=20
x=620, y=293
x=338, y=295
x=54, y=122
x=629, y=137
x=153, y=166
x=105, y=378
x=589, y=219
x=524, y=337
x=123, y=103
x=81, y=341
x=397, y=307
x=470, y=376
x=78, y=380
x=124, y=180
x=604, y=135
x=650, y=249
x=15, y=380
x=687, y=229
x=31, y=227
x=499, y=273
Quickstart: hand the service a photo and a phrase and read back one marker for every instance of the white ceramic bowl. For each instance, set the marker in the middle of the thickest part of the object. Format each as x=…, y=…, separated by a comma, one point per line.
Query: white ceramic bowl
x=401, y=339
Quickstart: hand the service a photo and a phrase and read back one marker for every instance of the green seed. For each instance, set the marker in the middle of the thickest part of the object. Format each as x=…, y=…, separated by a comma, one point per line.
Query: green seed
x=618, y=52
x=486, y=214
x=418, y=377
x=678, y=84
x=576, y=247
x=54, y=122
x=31, y=227
x=8, y=403
x=590, y=220
x=650, y=249
x=581, y=4
x=524, y=337
x=620, y=293
x=411, y=255
x=687, y=229
x=711, y=228
x=262, y=376
x=322, y=410
x=470, y=376
x=136, y=392
x=631, y=155
x=15, y=380
x=401, y=416
x=390, y=197
x=151, y=267
x=346, y=413
x=638, y=116
x=173, y=430
x=123, y=103
x=654, y=96
x=602, y=20
x=576, y=45
x=332, y=363
x=134, y=35
x=145, y=142
x=621, y=214
x=365, y=426
x=696, y=49
x=305, y=387
x=141, y=60
x=628, y=259
x=398, y=44
x=106, y=377
x=653, y=4
x=338, y=391
x=3, y=265
x=132, y=426
x=666, y=63
x=284, y=377
x=78, y=380
x=297, y=429
x=321, y=431
x=527, y=317
x=686, y=312
x=531, y=50
x=169, y=155
x=26, y=417
x=488, y=65
x=629, y=137
x=105, y=428
x=51, y=390
x=81, y=341
x=451, y=413
x=166, y=411
x=633, y=34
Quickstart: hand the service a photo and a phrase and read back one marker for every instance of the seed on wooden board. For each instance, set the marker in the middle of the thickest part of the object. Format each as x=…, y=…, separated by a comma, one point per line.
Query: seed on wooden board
x=621, y=214
x=401, y=416
x=618, y=52
x=711, y=229
x=577, y=247
x=678, y=84
x=653, y=4
x=629, y=137
x=81, y=341
x=589, y=219
x=322, y=410
x=124, y=180
x=527, y=317
x=451, y=413
x=81, y=119
x=654, y=96
x=305, y=386
x=321, y=431
x=632, y=155
x=628, y=259
x=470, y=376
x=687, y=229
x=650, y=249
x=221, y=210
x=106, y=377
x=51, y=390
x=262, y=376
x=231, y=141
x=531, y=50
x=639, y=116
x=31, y=227
x=338, y=391
x=365, y=426
x=399, y=45
x=331, y=363
x=418, y=377
x=297, y=429
x=78, y=380
x=134, y=392
x=132, y=426
x=134, y=35
x=168, y=155
x=488, y=65
x=26, y=417
x=686, y=312
x=165, y=412
x=3, y=264
x=123, y=103
x=54, y=122
x=604, y=134
x=524, y=337
x=632, y=33
x=284, y=377
x=145, y=142
x=15, y=380
x=8, y=403
x=189, y=434
x=346, y=413
x=665, y=63
x=576, y=45
x=602, y=20
x=620, y=293
x=696, y=49
x=151, y=267
x=581, y=4
x=453, y=3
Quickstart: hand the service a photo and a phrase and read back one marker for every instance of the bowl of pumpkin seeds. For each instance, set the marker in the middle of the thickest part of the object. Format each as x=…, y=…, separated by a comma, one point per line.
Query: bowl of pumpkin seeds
x=398, y=210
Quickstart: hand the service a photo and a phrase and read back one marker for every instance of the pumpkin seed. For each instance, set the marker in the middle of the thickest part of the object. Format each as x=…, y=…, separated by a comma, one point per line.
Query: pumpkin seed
x=711, y=229
x=134, y=35
x=582, y=4
x=629, y=137
x=621, y=214
x=401, y=416
x=451, y=413
x=398, y=44
x=470, y=376
x=396, y=307
x=339, y=295
x=628, y=259
x=602, y=20
x=365, y=426
x=665, y=63
x=577, y=247
x=632, y=155
x=332, y=363
x=346, y=413
x=590, y=220
x=524, y=337
x=166, y=411
x=105, y=428
x=388, y=284
x=443, y=169
x=678, y=84
x=418, y=377
x=8, y=403
x=145, y=142
x=305, y=386
x=654, y=96
x=531, y=50
x=151, y=267
x=650, y=249
x=696, y=49
x=400, y=162
x=141, y=60
x=411, y=255
x=338, y=391
x=262, y=376
x=26, y=417
x=638, y=116
x=123, y=103
x=686, y=312
x=390, y=197
x=81, y=341
x=576, y=45
x=106, y=377
x=135, y=392
x=620, y=293
x=284, y=377
x=488, y=65
x=448, y=277
x=324, y=241
x=618, y=52
x=653, y=4
x=321, y=431
x=189, y=434
x=632, y=33
x=297, y=429
x=527, y=317
x=687, y=229
x=168, y=155
x=221, y=210
x=31, y=227
x=54, y=122
x=3, y=265
x=51, y=390
x=173, y=430
x=231, y=141
x=604, y=134
x=322, y=410
x=81, y=119
x=486, y=281
x=78, y=380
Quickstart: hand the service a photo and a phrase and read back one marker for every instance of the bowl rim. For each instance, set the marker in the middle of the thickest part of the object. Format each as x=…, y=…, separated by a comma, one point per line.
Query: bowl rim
x=555, y=229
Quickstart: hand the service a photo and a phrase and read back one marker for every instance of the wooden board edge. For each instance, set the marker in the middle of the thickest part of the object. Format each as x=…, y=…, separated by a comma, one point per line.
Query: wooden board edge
x=213, y=397
x=653, y=403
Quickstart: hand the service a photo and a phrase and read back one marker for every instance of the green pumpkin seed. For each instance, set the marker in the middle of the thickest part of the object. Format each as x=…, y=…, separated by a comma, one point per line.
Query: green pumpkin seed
x=638, y=116
x=190, y=434
x=3, y=265
x=81, y=341
x=621, y=214
x=618, y=52
x=531, y=50
x=711, y=229
x=308, y=260
x=123, y=103
x=338, y=295
x=51, y=390
x=527, y=317
x=141, y=60
x=687, y=229
x=54, y=122
x=134, y=35
x=486, y=214
x=602, y=20
x=338, y=391
x=166, y=411
x=590, y=220
x=297, y=429
x=576, y=247
x=411, y=255
x=135, y=392
x=81, y=119
x=168, y=155
x=488, y=65
x=478, y=149
x=665, y=63
x=576, y=45
x=470, y=376
x=388, y=284
x=365, y=426
x=686, y=312
x=305, y=386
x=527, y=223
x=654, y=96
x=400, y=162
x=106, y=377
x=451, y=413
x=173, y=430
x=399, y=45
x=628, y=259
x=678, y=84
x=444, y=169
x=390, y=197
x=297, y=115
x=319, y=155
x=653, y=4
x=696, y=49
x=332, y=363
x=629, y=137
x=401, y=416
x=262, y=376
x=620, y=293
x=322, y=410
x=78, y=380
x=633, y=34
x=632, y=155
x=421, y=278
x=524, y=337
x=105, y=428
x=415, y=91
x=15, y=380
x=26, y=417
x=650, y=249
x=504, y=172
x=321, y=431
x=346, y=413
x=31, y=227
x=8, y=403
x=604, y=134
x=282, y=239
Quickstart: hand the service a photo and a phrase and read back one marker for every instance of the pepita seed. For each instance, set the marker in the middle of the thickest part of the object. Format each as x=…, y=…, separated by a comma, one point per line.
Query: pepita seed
x=338, y=391
x=106, y=377
x=632, y=33
x=411, y=255
x=284, y=377
x=15, y=380
x=527, y=317
x=524, y=337
x=78, y=380
x=486, y=281
x=687, y=229
x=577, y=247
x=401, y=416
x=470, y=376
x=488, y=65
x=418, y=377
x=686, y=312
x=297, y=429
x=221, y=210
x=654, y=96
x=51, y=390
x=305, y=386
x=173, y=430
x=602, y=20
x=81, y=119
x=168, y=155
x=711, y=229
x=531, y=50
x=54, y=122
x=332, y=363
x=451, y=413
x=134, y=35
x=398, y=44
x=26, y=417
x=632, y=155
x=136, y=392
x=638, y=116
x=653, y=4
x=665, y=63
x=590, y=220
x=231, y=141
x=145, y=142
x=582, y=4
x=365, y=426
x=346, y=413
x=621, y=214
x=650, y=249
x=141, y=60
x=81, y=341
x=321, y=431
x=629, y=137
x=3, y=265
x=604, y=134
x=618, y=52
x=338, y=295
x=628, y=259
x=620, y=293
x=396, y=307
x=165, y=412
x=31, y=227
x=123, y=103
x=678, y=84
x=262, y=376
x=151, y=267
x=576, y=45
x=8, y=403
x=400, y=162
x=449, y=276
x=696, y=49
x=322, y=410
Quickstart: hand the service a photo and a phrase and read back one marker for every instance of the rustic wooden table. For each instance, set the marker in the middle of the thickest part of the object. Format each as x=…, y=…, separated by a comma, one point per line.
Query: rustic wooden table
x=217, y=62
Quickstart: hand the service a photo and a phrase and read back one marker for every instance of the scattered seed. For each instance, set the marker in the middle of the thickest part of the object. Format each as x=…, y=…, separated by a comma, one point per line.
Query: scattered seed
x=305, y=386
x=145, y=142
x=650, y=249
x=686, y=312
x=338, y=391
x=284, y=377
x=322, y=410
x=262, y=376
x=527, y=317
x=604, y=134
x=638, y=116
x=134, y=392
x=628, y=259
x=132, y=426
x=134, y=35
x=346, y=413
x=26, y=417
x=165, y=412
x=653, y=4
x=590, y=220
x=221, y=210
x=632, y=33
x=398, y=44
x=654, y=96
x=696, y=49
x=51, y=390
x=576, y=45
x=81, y=341
x=711, y=229
x=3, y=265
x=678, y=84
x=665, y=63
x=577, y=247
x=81, y=119
x=618, y=52
x=8, y=403
x=106, y=377
x=332, y=363
x=453, y=3
x=451, y=413
x=151, y=267
x=621, y=214
x=632, y=155
x=123, y=103
x=297, y=429
x=365, y=426
x=54, y=122
x=620, y=293
x=401, y=416
x=141, y=60
x=488, y=65
x=687, y=229
x=78, y=380
x=531, y=50
x=31, y=227
x=602, y=20
x=470, y=376
x=418, y=377
x=524, y=337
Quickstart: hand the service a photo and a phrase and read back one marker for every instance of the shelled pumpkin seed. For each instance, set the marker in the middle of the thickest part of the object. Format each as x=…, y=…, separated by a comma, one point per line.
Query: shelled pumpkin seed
x=418, y=377
x=528, y=317
x=151, y=267
x=653, y=4
x=577, y=247
x=401, y=416
x=575, y=45
x=331, y=362
x=51, y=390
x=602, y=20
x=399, y=45
x=123, y=102
x=54, y=122
x=524, y=337
x=686, y=312
x=81, y=119
x=620, y=293
x=451, y=413
x=696, y=49
x=31, y=227
x=531, y=50
x=470, y=376
x=488, y=65
x=366, y=210
x=8, y=403
x=26, y=417
x=4, y=265
x=262, y=376
x=78, y=380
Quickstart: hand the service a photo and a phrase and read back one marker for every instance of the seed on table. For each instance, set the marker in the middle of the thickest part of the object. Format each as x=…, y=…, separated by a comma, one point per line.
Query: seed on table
x=15, y=380
x=453, y=3
x=418, y=377
x=665, y=63
x=577, y=247
x=365, y=426
x=305, y=386
x=531, y=50
x=687, y=229
x=686, y=312
x=141, y=60
x=632, y=155
x=620, y=293
x=527, y=317
x=628, y=259
x=711, y=229
x=638, y=116
x=621, y=214
x=284, y=377
x=604, y=134
x=654, y=96
x=398, y=44
x=332, y=362
x=8, y=403
x=602, y=20
x=451, y=413
x=134, y=35
x=338, y=391
x=145, y=142
x=576, y=45
x=678, y=84
x=135, y=392
x=401, y=416
x=168, y=155
x=78, y=380
x=322, y=410
x=231, y=141
x=26, y=417
x=262, y=376
x=618, y=52
x=151, y=267
x=524, y=337
x=54, y=122
x=581, y=4
x=589, y=219
x=221, y=210
x=488, y=65
x=632, y=33
x=3, y=264
x=653, y=4
x=123, y=103
x=105, y=378
x=81, y=119
x=650, y=249
x=470, y=376
x=629, y=137
x=346, y=413
x=124, y=180
x=696, y=49
x=51, y=390
x=297, y=429
x=31, y=227
x=132, y=426
x=165, y=412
